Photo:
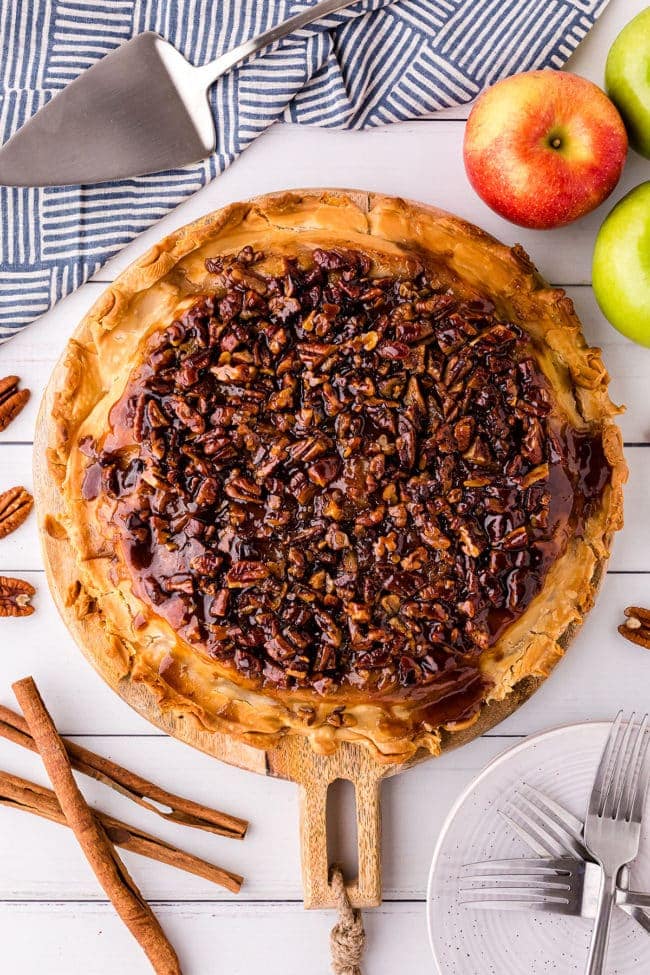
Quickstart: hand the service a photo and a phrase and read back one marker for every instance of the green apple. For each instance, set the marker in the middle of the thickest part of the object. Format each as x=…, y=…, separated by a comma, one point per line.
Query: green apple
x=621, y=267
x=627, y=78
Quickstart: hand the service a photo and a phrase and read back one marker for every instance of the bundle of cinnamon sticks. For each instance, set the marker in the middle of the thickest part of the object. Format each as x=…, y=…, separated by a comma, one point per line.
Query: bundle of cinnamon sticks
x=98, y=833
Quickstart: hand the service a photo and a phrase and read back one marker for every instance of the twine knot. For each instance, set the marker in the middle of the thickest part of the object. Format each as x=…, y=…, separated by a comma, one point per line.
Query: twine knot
x=347, y=938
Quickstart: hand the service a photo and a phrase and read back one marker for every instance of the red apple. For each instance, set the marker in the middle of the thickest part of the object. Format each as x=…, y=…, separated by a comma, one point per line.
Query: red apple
x=543, y=148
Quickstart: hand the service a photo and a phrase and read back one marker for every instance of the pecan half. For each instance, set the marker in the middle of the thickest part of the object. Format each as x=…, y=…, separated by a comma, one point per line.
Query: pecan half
x=15, y=505
x=12, y=400
x=636, y=628
x=15, y=596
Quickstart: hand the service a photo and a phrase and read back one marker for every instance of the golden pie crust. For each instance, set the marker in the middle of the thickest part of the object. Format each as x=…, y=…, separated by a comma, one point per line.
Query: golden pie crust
x=107, y=345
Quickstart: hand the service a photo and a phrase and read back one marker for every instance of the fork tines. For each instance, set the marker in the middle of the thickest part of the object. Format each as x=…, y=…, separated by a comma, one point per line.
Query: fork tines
x=616, y=791
x=512, y=884
x=544, y=825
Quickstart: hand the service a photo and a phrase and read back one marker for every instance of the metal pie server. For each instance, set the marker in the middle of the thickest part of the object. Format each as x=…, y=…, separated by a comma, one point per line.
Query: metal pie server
x=143, y=108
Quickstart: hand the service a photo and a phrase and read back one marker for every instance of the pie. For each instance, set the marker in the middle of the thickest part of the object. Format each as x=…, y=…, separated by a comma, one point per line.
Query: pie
x=335, y=465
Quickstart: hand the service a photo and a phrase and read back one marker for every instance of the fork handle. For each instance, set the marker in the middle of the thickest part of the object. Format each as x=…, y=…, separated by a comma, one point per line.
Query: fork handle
x=208, y=73
x=600, y=935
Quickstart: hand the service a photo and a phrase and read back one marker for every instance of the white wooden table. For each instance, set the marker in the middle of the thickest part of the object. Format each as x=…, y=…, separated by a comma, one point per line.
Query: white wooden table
x=53, y=916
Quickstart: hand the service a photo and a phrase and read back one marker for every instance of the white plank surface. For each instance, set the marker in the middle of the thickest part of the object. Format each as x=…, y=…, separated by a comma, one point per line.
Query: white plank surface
x=53, y=917
x=276, y=939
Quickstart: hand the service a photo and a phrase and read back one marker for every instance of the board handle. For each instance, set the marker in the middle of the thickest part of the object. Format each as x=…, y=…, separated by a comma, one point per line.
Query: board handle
x=314, y=776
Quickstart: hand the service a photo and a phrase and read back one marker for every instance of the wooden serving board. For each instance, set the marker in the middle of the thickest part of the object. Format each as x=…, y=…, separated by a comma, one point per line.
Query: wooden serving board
x=292, y=759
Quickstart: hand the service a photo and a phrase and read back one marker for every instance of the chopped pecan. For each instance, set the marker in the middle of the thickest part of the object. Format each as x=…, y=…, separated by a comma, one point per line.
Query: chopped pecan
x=463, y=433
x=155, y=415
x=12, y=400
x=190, y=417
x=308, y=449
x=314, y=353
x=336, y=539
x=247, y=573
x=207, y=564
x=517, y=538
x=234, y=374
x=531, y=445
x=243, y=489
x=434, y=537
x=324, y=470
x=219, y=605
x=15, y=597
x=405, y=442
x=15, y=505
x=247, y=278
x=207, y=493
x=284, y=308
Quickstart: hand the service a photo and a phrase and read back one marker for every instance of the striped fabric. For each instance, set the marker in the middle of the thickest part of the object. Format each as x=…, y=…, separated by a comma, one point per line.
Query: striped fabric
x=377, y=63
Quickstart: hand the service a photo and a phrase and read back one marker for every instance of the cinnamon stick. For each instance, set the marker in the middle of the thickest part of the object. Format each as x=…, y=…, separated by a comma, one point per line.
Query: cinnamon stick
x=140, y=790
x=92, y=837
x=19, y=793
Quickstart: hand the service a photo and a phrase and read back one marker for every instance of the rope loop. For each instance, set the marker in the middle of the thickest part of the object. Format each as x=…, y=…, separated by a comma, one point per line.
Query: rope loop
x=347, y=938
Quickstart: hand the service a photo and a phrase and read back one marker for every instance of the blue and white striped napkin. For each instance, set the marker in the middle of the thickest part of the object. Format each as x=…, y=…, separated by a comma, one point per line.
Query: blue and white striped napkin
x=376, y=63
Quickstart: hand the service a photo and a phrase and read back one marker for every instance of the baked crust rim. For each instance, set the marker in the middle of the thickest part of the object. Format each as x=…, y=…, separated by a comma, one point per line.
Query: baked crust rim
x=101, y=619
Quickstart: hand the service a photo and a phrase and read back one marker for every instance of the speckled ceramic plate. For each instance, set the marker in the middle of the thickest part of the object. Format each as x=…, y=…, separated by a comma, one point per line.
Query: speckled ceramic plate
x=562, y=763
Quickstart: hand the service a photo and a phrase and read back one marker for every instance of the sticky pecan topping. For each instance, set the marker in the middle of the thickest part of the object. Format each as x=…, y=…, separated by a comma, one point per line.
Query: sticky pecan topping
x=331, y=480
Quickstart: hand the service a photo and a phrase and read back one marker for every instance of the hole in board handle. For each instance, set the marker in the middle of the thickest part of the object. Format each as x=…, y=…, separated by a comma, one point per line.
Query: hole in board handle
x=342, y=841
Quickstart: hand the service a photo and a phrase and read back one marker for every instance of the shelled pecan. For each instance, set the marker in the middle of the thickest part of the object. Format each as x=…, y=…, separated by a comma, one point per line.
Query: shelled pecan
x=15, y=505
x=636, y=628
x=12, y=400
x=15, y=597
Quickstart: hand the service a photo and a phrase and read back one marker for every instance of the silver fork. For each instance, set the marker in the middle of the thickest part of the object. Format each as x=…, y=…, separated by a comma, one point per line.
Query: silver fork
x=550, y=830
x=561, y=885
x=613, y=823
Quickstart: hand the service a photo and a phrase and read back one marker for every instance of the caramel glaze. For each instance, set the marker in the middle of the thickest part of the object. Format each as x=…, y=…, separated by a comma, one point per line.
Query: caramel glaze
x=377, y=556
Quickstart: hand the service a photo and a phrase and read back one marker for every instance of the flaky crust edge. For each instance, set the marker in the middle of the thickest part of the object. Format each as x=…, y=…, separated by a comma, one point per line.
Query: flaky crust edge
x=101, y=620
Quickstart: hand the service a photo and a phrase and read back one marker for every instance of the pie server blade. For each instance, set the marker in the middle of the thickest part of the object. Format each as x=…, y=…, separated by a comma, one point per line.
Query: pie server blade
x=142, y=109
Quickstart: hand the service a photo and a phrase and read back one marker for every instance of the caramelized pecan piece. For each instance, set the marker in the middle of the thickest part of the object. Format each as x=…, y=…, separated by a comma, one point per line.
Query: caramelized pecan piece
x=247, y=573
